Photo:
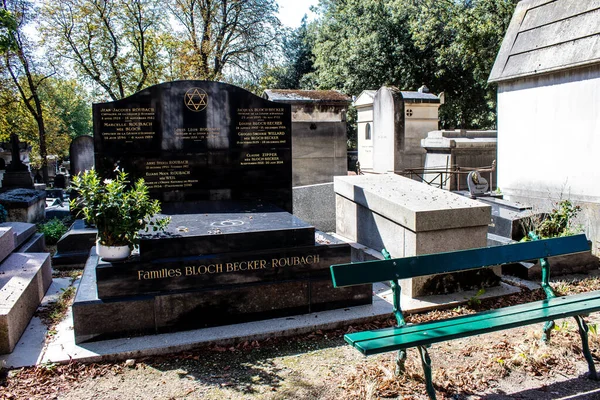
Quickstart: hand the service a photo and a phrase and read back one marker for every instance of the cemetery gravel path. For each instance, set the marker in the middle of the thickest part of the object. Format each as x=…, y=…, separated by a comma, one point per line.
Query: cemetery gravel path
x=504, y=365
x=511, y=364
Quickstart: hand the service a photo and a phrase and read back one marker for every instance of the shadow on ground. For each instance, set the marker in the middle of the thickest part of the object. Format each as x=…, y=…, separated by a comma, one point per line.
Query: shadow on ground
x=251, y=369
x=580, y=388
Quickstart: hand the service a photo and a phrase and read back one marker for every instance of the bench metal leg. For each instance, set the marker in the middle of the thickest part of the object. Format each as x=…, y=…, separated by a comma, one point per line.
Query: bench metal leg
x=426, y=361
x=583, y=332
x=548, y=326
x=400, y=360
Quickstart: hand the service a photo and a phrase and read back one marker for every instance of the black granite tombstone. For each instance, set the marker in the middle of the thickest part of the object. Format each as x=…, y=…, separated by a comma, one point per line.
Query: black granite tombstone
x=219, y=158
x=196, y=140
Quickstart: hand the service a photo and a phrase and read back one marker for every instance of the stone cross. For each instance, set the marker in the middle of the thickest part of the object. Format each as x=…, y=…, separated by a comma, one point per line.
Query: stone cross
x=15, y=164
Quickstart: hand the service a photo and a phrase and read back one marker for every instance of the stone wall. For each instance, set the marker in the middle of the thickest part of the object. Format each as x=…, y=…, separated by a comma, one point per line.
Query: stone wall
x=548, y=142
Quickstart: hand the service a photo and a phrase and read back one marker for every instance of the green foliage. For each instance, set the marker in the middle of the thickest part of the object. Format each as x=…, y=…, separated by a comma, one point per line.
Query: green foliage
x=119, y=210
x=559, y=222
x=26, y=72
x=113, y=45
x=476, y=300
x=53, y=230
x=563, y=326
x=298, y=61
x=121, y=46
x=448, y=45
x=67, y=114
x=364, y=44
x=8, y=25
x=3, y=214
x=351, y=127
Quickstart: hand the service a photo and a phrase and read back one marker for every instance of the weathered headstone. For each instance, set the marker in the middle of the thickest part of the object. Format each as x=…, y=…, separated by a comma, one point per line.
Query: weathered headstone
x=409, y=218
x=400, y=120
x=81, y=154
x=319, y=133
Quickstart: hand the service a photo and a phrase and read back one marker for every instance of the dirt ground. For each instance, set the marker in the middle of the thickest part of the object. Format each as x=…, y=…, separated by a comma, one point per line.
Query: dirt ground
x=511, y=364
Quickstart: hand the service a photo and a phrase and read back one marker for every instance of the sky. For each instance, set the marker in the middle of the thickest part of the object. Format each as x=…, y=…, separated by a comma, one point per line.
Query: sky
x=292, y=11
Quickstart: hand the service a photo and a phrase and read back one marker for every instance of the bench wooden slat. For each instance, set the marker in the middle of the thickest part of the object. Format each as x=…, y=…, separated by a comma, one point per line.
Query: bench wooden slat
x=555, y=308
x=471, y=318
x=429, y=264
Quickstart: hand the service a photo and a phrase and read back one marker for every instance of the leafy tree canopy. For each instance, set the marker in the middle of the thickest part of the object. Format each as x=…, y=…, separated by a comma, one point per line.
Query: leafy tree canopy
x=297, y=68
x=67, y=114
x=8, y=25
x=448, y=45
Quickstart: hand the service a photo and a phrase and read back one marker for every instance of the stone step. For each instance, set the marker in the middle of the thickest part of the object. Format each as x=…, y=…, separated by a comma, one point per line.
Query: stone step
x=22, y=230
x=35, y=244
x=24, y=279
x=7, y=241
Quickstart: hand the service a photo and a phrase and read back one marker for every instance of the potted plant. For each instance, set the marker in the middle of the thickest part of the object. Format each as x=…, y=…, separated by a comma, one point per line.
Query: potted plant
x=118, y=210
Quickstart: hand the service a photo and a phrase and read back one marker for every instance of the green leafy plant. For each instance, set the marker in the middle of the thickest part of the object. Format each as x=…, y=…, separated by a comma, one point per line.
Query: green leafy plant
x=53, y=230
x=475, y=300
x=118, y=209
x=559, y=222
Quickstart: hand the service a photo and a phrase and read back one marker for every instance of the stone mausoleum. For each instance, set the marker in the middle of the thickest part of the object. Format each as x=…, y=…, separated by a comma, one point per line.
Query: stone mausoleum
x=318, y=133
x=548, y=77
x=391, y=126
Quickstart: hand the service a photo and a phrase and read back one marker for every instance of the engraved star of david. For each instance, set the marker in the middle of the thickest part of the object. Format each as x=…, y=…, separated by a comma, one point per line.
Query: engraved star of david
x=196, y=99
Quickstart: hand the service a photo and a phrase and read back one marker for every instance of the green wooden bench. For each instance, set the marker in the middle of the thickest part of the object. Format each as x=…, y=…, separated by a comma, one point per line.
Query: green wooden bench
x=405, y=336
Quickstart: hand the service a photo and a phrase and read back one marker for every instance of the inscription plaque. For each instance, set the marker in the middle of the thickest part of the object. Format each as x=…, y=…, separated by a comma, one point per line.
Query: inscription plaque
x=197, y=140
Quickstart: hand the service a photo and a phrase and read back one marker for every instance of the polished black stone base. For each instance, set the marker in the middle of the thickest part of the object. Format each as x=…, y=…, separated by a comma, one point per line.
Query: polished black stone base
x=199, y=228
x=217, y=271
x=140, y=306
x=74, y=247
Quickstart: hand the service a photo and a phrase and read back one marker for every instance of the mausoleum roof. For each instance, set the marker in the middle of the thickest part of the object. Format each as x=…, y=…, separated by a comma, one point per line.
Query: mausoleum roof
x=546, y=36
x=365, y=98
x=419, y=97
x=306, y=96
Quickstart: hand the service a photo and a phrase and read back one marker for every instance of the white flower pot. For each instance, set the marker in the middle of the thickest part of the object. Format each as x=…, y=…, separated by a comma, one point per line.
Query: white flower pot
x=112, y=253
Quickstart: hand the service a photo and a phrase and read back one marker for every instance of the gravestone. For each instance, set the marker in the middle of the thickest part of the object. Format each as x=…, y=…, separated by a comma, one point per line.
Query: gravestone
x=408, y=218
x=401, y=119
x=60, y=181
x=195, y=140
x=17, y=174
x=219, y=159
x=81, y=154
x=478, y=186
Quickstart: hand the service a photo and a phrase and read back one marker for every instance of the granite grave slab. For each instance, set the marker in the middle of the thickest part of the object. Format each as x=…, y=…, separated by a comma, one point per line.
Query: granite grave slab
x=225, y=226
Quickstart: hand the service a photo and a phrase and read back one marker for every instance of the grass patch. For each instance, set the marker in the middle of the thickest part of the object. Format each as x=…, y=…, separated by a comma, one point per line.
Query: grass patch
x=55, y=312
x=73, y=274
